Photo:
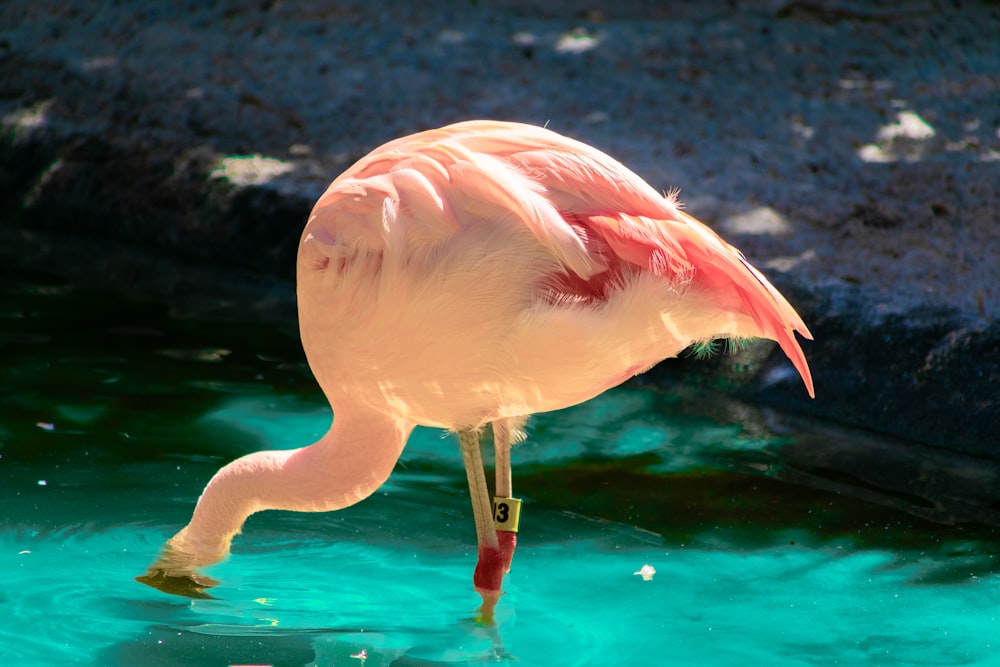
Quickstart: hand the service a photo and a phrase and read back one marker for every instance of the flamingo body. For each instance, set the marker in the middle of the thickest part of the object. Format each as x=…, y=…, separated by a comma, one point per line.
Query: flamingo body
x=489, y=270
x=477, y=274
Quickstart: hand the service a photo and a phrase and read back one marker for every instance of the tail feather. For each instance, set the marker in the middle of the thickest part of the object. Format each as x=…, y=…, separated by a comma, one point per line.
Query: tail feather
x=685, y=247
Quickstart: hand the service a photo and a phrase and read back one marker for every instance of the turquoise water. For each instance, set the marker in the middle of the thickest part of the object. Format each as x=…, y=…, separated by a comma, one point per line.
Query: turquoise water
x=770, y=546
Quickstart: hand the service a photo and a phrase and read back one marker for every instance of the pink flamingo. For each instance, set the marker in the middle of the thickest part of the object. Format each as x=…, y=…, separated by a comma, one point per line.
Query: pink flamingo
x=472, y=275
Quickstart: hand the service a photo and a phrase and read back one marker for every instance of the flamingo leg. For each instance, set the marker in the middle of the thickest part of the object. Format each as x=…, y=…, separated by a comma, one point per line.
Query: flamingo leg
x=501, y=443
x=489, y=567
x=502, y=440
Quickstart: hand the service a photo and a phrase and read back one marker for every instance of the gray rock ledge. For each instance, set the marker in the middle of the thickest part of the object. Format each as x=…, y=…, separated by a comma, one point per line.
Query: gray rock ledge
x=852, y=150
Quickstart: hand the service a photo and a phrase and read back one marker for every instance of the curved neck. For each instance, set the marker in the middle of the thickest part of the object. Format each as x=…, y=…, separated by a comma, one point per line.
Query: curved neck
x=343, y=467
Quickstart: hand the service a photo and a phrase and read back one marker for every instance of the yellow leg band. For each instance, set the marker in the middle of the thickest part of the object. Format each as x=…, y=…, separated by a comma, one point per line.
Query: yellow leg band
x=506, y=513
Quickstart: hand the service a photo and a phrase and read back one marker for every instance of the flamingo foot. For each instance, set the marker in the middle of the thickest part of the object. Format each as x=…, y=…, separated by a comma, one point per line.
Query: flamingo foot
x=508, y=542
x=488, y=576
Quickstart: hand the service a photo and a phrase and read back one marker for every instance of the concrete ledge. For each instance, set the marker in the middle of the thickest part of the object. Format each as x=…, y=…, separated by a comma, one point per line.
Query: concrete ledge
x=852, y=153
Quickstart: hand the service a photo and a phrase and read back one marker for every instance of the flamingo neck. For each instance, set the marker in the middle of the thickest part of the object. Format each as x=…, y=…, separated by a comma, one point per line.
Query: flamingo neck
x=342, y=468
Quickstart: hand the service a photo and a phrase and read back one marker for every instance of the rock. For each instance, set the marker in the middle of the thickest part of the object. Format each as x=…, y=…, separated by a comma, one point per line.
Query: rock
x=926, y=374
x=853, y=153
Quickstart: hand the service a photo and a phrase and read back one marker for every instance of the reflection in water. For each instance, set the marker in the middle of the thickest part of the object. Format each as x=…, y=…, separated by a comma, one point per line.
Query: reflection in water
x=773, y=536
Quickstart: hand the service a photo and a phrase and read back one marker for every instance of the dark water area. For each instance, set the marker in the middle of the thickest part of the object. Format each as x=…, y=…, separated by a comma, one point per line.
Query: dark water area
x=776, y=539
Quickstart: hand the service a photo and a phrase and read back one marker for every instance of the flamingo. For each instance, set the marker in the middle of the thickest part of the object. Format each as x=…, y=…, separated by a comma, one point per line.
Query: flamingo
x=469, y=275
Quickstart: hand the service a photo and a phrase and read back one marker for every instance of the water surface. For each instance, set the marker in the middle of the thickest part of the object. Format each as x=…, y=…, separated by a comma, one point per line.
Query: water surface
x=775, y=540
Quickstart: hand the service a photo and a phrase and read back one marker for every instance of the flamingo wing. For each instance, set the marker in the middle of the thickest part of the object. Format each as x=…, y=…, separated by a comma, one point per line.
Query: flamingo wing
x=612, y=207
